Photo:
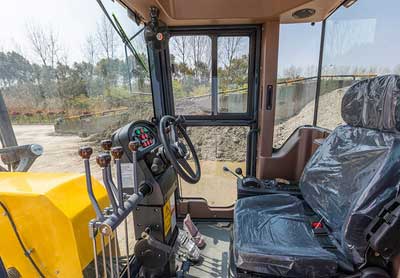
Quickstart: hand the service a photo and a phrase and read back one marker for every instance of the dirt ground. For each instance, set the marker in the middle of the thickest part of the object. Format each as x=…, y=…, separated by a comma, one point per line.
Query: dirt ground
x=61, y=155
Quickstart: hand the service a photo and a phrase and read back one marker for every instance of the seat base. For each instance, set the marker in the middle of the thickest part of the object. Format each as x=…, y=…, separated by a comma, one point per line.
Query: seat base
x=272, y=235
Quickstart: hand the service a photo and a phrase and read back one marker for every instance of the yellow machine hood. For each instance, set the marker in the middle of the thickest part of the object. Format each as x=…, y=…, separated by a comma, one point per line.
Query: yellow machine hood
x=51, y=213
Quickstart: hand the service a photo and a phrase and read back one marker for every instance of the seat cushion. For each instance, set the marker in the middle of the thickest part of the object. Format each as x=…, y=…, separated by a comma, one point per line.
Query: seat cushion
x=272, y=235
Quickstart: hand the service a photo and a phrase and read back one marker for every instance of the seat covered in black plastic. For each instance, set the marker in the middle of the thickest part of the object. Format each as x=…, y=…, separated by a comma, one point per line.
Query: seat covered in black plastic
x=275, y=235
x=346, y=182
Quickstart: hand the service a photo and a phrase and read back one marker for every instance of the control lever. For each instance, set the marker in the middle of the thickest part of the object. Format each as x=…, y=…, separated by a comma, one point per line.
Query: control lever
x=239, y=171
x=103, y=160
x=227, y=170
x=106, y=146
x=134, y=146
x=117, y=153
x=85, y=153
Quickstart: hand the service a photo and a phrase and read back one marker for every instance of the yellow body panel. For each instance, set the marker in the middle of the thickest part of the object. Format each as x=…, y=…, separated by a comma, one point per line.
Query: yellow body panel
x=51, y=212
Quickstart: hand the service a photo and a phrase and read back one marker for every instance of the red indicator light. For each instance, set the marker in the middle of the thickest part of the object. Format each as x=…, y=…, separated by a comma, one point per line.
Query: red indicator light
x=316, y=225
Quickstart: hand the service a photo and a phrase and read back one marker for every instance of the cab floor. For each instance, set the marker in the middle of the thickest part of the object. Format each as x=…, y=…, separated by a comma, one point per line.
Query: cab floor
x=215, y=256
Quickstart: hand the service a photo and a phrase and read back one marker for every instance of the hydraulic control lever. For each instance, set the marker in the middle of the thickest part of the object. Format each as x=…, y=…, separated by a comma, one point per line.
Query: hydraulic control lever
x=117, y=153
x=85, y=153
x=132, y=202
x=103, y=160
x=106, y=145
x=134, y=146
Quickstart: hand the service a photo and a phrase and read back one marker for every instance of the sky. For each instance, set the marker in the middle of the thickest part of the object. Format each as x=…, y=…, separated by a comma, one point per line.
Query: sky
x=72, y=20
x=365, y=35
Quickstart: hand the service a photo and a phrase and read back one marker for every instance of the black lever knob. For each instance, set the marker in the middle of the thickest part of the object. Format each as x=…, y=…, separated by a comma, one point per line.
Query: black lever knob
x=85, y=152
x=106, y=144
x=239, y=171
x=103, y=160
x=117, y=152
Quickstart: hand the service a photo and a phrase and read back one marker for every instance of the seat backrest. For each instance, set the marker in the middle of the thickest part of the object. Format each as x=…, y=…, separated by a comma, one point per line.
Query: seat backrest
x=356, y=171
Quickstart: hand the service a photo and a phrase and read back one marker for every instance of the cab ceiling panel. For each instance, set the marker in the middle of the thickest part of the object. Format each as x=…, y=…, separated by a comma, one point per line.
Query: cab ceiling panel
x=209, y=12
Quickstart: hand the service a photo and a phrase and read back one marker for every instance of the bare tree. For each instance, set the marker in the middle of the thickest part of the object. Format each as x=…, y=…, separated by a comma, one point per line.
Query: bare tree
x=45, y=43
x=180, y=48
x=292, y=72
x=230, y=49
x=90, y=49
x=200, y=49
x=107, y=38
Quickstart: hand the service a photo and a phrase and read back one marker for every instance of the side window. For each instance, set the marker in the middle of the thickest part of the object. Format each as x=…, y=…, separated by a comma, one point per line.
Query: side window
x=297, y=78
x=356, y=47
x=191, y=77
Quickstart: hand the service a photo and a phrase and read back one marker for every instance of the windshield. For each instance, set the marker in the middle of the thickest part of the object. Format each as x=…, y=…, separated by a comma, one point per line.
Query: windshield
x=68, y=78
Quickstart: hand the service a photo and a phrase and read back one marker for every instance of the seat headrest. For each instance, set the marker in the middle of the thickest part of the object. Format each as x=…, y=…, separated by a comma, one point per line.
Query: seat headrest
x=373, y=103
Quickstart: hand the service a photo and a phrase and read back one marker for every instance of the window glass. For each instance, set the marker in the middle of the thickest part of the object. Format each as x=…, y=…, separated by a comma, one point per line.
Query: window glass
x=191, y=74
x=360, y=42
x=297, y=78
x=68, y=81
x=233, y=73
x=217, y=147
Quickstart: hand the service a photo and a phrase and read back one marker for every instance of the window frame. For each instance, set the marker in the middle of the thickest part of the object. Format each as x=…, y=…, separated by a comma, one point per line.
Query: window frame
x=214, y=32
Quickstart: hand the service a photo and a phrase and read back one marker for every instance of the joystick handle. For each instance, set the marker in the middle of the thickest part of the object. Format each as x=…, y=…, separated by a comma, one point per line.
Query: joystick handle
x=106, y=145
x=85, y=152
x=103, y=160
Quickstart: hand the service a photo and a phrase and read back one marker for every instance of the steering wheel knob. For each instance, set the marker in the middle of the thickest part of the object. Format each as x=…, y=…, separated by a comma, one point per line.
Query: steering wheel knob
x=85, y=152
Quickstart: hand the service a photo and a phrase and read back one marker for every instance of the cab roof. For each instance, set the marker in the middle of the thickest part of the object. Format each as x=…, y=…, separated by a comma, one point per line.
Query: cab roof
x=224, y=12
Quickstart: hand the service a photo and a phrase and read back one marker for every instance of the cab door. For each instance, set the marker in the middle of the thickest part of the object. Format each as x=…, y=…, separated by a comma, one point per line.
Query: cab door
x=214, y=77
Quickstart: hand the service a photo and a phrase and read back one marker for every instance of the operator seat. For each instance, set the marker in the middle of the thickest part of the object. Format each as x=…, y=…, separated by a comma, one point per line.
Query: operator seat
x=352, y=175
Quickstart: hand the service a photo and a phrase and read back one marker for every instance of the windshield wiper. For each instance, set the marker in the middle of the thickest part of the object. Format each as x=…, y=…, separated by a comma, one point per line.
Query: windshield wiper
x=122, y=34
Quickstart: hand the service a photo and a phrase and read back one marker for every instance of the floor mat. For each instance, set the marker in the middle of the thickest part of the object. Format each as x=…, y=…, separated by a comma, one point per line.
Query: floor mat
x=215, y=256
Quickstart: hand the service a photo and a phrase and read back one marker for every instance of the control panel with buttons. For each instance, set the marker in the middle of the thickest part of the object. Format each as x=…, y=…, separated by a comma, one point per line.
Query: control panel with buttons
x=144, y=136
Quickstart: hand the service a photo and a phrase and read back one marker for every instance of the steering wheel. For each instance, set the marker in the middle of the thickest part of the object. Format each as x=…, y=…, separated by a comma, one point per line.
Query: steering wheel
x=176, y=151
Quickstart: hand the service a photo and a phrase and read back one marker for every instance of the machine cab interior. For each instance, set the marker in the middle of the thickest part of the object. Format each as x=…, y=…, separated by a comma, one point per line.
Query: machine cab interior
x=225, y=138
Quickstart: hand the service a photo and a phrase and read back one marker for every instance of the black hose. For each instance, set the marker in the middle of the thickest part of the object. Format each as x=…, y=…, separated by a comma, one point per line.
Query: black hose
x=26, y=252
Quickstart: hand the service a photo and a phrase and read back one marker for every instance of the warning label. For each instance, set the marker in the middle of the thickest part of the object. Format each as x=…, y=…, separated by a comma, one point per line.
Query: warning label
x=169, y=215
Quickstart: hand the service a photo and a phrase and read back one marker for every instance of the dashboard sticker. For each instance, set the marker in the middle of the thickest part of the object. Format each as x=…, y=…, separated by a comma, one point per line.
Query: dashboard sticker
x=126, y=173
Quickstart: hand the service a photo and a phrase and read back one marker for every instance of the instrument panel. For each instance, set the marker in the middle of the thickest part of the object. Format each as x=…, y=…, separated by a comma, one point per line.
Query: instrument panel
x=143, y=132
x=144, y=136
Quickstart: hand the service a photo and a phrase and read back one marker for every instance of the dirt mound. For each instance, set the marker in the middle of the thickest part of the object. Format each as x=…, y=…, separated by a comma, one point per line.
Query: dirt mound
x=328, y=116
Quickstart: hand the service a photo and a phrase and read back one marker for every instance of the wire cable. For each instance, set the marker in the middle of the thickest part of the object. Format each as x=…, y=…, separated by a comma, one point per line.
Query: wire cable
x=27, y=252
